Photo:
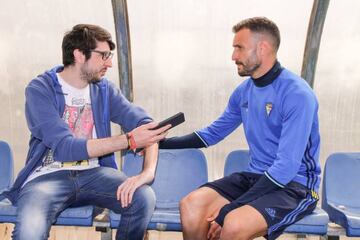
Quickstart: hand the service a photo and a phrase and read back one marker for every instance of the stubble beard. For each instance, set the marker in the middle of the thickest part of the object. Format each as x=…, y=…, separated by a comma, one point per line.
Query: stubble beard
x=249, y=66
x=89, y=76
x=248, y=70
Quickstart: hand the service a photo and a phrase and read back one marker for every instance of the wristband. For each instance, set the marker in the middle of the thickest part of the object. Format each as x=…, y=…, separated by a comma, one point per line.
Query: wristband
x=131, y=141
x=128, y=141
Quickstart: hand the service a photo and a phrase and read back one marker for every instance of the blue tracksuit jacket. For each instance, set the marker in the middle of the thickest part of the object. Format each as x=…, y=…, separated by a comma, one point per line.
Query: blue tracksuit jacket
x=280, y=121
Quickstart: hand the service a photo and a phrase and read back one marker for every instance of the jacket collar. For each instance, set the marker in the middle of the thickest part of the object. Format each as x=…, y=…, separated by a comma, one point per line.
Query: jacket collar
x=268, y=77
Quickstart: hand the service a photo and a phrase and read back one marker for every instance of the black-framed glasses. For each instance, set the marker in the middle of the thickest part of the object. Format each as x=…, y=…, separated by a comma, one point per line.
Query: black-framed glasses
x=104, y=54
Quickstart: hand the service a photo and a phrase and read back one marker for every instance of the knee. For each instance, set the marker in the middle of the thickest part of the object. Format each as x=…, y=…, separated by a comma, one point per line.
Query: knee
x=32, y=223
x=144, y=199
x=189, y=209
x=234, y=230
x=229, y=231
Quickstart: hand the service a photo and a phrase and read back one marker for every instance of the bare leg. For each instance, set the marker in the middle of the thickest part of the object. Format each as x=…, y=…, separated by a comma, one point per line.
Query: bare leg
x=195, y=208
x=243, y=223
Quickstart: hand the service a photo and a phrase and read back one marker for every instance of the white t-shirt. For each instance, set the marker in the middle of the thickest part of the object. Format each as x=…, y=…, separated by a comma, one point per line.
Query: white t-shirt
x=78, y=115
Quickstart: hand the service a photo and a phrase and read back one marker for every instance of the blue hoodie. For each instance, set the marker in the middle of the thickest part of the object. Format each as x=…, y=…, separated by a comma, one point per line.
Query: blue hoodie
x=44, y=108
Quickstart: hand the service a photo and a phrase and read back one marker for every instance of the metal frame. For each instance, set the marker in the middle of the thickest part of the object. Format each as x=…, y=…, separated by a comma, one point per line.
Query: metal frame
x=122, y=31
x=313, y=39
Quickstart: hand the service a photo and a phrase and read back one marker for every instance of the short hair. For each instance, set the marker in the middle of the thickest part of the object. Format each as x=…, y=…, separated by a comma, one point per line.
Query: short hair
x=83, y=37
x=260, y=25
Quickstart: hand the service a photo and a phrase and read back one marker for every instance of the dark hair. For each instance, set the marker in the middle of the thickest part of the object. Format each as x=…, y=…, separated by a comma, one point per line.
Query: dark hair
x=260, y=25
x=83, y=37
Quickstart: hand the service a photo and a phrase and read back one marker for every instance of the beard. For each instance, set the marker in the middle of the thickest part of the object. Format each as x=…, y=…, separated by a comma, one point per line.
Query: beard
x=249, y=66
x=90, y=76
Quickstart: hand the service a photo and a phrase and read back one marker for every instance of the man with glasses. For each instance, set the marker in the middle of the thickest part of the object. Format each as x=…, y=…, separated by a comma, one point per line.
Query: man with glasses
x=71, y=157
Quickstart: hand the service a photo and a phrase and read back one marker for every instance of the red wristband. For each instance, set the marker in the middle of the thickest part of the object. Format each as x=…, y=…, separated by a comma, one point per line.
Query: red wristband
x=128, y=140
x=131, y=141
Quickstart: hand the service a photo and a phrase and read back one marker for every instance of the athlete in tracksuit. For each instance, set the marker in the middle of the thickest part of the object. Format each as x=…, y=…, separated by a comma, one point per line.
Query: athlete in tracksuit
x=279, y=114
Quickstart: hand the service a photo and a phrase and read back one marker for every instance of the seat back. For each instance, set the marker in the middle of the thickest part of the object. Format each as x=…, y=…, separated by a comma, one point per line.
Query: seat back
x=236, y=161
x=6, y=166
x=341, y=180
x=178, y=173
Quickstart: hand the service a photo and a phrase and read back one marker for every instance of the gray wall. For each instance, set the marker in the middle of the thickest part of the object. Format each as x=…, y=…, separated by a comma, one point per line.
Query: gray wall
x=181, y=53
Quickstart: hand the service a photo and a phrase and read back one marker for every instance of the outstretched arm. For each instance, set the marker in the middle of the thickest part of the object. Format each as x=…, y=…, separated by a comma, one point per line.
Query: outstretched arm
x=225, y=124
x=191, y=140
x=143, y=136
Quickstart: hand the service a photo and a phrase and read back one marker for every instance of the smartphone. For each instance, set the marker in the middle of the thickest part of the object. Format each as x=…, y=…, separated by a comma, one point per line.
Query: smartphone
x=173, y=120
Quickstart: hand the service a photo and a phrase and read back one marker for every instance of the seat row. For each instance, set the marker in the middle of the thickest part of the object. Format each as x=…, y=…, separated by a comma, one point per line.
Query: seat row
x=181, y=171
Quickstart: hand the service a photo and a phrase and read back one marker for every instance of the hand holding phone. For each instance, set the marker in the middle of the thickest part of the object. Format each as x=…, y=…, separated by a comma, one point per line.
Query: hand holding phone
x=173, y=120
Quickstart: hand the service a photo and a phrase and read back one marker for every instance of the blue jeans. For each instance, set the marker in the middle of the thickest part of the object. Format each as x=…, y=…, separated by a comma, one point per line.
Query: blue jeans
x=42, y=200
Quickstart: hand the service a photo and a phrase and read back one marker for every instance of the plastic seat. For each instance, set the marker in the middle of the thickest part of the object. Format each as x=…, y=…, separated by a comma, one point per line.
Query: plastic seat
x=315, y=223
x=6, y=166
x=79, y=216
x=341, y=191
x=178, y=173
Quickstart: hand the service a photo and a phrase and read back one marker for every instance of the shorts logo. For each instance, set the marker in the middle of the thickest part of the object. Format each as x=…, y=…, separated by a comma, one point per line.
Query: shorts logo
x=314, y=195
x=271, y=212
x=268, y=108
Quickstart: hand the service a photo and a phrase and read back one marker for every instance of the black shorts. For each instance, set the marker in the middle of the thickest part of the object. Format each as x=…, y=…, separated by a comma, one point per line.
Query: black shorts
x=280, y=208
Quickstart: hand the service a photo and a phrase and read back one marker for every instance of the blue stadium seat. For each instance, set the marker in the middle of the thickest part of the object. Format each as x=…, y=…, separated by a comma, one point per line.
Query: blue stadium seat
x=79, y=216
x=7, y=211
x=6, y=166
x=316, y=223
x=178, y=173
x=341, y=191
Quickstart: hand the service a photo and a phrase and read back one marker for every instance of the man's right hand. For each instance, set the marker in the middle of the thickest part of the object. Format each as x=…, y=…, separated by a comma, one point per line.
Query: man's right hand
x=145, y=136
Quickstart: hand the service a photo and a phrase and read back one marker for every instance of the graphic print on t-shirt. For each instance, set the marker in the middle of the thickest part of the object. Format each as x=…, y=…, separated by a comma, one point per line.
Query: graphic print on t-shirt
x=80, y=120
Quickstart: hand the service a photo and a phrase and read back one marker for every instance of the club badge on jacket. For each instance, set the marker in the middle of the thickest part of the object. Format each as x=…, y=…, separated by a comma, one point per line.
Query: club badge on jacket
x=268, y=108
